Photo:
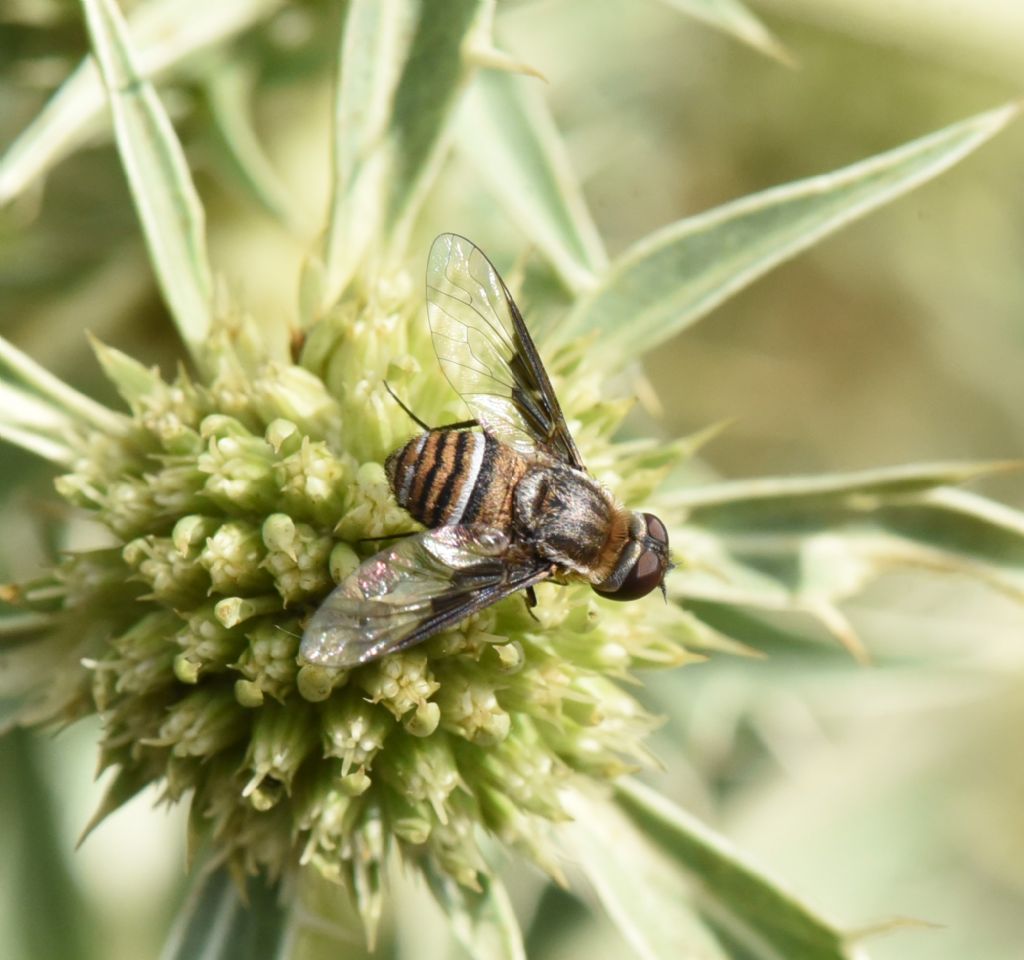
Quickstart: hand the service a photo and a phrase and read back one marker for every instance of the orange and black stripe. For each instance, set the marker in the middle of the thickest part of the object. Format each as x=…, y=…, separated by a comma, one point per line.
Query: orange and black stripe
x=434, y=475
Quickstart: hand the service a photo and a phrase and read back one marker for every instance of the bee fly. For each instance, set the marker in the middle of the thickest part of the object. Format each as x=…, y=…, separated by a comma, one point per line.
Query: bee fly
x=508, y=506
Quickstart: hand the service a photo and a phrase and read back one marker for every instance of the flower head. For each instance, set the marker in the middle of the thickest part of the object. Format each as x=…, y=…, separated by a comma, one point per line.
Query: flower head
x=235, y=503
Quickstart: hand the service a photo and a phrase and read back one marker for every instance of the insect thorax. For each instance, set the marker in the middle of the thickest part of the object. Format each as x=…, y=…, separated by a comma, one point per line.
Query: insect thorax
x=568, y=516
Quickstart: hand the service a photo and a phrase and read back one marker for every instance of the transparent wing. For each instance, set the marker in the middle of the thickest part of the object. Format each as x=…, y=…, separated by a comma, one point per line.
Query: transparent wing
x=413, y=589
x=486, y=352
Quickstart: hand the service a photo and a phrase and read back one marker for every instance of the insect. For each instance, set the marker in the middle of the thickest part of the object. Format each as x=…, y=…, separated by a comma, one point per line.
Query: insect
x=507, y=506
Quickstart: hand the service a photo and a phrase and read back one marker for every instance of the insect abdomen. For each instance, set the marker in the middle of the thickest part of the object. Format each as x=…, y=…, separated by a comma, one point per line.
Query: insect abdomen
x=455, y=476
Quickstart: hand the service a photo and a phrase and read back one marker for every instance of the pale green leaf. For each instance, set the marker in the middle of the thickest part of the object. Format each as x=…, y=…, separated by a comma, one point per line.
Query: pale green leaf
x=166, y=35
x=800, y=531
x=20, y=408
x=127, y=782
x=134, y=381
x=47, y=912
x=168, y=206
x=34, y=442
x=35, y=425
x=737, y=587
x=733, y=18
x=216, y=923
x=28, y=652
x=506, y=130
x=768, y=633
x=973, y=533
x=65, y=404
x=806, y=544
x=993, y=518
x=403, y=66
x=649, y=899
x=676, y=275
x=859, y=487
x=45, y=415
x=753, y=908
x=483, y=923
x=228, y=92
x=14, y=627
x=323, y=921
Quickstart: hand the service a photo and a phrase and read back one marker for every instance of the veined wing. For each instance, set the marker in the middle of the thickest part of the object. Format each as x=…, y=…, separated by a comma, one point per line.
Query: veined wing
x=414, y=589
x=487, y=354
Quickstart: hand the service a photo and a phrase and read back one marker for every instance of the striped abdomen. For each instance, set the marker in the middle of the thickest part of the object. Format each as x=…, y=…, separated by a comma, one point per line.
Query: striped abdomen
x=448, y=477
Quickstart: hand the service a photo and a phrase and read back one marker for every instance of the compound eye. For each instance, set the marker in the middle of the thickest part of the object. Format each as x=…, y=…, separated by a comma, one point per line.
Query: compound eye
x=656, y=529
x=645, y=575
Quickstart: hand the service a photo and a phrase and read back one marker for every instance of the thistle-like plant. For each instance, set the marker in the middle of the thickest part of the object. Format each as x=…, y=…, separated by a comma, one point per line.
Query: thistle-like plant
x=237, y=493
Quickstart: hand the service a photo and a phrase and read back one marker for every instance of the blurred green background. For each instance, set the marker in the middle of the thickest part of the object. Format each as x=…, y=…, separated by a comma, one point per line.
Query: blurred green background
x=884, y=792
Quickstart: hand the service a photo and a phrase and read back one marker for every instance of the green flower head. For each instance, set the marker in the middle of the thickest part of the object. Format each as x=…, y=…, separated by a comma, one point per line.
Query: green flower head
x=237, y=502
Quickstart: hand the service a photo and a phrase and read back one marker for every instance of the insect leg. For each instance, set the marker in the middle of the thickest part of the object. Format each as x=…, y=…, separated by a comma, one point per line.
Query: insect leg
x=389, y=536
x=530, y=598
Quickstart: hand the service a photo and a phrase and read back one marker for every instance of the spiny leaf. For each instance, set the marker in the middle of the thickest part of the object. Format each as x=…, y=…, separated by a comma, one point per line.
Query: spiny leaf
x=733, y=18
x=166, y=35
x=133, y=381
x=228, y=92
x=35, y=425
x=216, y=923
x=401, y=70
x=753, y=907
x=863, y=487
x=65, y=403
x=483, y=922
x=648, y=897
x=808, y=544
x=676, y=275
x=506, y=130
x=168, y=206
x=36, y=865
x=973, y=531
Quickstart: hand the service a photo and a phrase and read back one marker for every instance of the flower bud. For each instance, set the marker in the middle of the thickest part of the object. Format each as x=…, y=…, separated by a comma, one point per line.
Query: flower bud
x=239, y=469
x=410, y=821
x=232, y=558
x=354, y=731
x=470, y=708
x=201, y=724
x=286, y=391
x=372, y=511
x=191, y=532
x=400, y=682
x=422, y=771
x=316, y=683
x=281, y=739
x=312, y=483
x=284, y=437
x=269, y=659
x=207, y=641
x=296, y=558
x=174, y=580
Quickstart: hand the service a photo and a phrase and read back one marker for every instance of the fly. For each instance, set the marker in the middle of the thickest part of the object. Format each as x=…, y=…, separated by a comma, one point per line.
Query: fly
x=506, y=496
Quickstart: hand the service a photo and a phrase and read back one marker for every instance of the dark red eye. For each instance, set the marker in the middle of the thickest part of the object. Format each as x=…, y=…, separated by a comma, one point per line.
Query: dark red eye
x=656, y=529
x=642, y=578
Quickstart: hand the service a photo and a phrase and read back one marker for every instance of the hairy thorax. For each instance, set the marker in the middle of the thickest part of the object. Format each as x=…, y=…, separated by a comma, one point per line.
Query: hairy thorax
x=572, y=520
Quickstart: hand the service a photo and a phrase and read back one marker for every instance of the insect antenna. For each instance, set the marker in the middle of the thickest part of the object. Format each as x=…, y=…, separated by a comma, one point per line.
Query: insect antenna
x=459, y=425
x=398, y=400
